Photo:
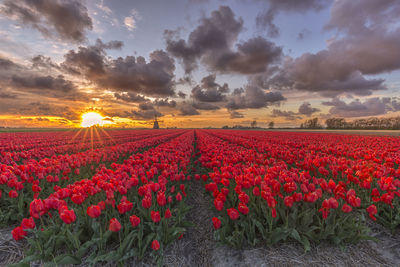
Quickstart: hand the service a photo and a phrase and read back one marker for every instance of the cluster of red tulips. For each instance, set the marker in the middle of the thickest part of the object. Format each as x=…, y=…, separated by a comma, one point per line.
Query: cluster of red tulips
x=113, y=195
x=135, y=201
x=273, y=186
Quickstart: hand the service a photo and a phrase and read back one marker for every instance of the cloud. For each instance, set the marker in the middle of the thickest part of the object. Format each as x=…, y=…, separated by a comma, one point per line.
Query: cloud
x=306, y=109
x=165, y=103
x=265, y=19
x=23, y=79
x=205, y=106
x=131, y=97
x=253, y=97
x=130, y=21
x=288, y=115
x=181, y=95
x=366, y=44
x=68, y=20
x=43, y=83
x=129, y=74
x=212, y=43
x=217, y=32
x=209, y=90
x=139, y=114
x=186, y=109
x=235, y=115
x=357, y=108
x=252, y=56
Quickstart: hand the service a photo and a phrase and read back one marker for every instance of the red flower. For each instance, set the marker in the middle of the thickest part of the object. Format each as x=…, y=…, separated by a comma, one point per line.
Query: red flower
x=78, y=198
x=114, y=226
x=346, y=208
x=216, y=222
x=13, y=194
x=36, y=208
x=161, y=200
x=233, y=213
x=124, y=206
x=18, y=233
x=288, y=201
x=93, y=211
x=219, y=205
x=135, y=220
x=372, y=211
x=146, y=202
x=167, y=214
x=28, y=223
x=243, y=208
x=178, y=197
x=155, y=216
x=68, y=216
x=155, y=245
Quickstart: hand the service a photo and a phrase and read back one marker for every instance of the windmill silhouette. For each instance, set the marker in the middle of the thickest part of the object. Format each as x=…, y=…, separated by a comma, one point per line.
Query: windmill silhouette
x=155, y=124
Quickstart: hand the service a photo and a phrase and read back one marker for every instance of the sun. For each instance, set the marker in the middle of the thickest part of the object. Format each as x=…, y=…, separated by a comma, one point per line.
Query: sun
x=93, y=118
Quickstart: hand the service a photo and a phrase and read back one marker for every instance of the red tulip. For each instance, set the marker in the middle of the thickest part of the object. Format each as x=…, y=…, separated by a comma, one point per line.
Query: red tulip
x=68, y=216
x=93, y=211
x=114, y=226
x=155, y=216
x=18, y=233
x=216, y=222
x=233, y=213
x=155, y=245
x=167, y=214
x=135, y=220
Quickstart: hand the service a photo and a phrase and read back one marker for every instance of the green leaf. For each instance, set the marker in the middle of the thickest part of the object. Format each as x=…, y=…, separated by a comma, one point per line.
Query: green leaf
x=279, y=234
x=306, y=244
x=63, y=260
x=295, y=235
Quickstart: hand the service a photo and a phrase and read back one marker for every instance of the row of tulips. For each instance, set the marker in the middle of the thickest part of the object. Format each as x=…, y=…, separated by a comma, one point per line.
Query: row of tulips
x=72, y=143
x=271, y=187
x=117, y=214
x=20, y=184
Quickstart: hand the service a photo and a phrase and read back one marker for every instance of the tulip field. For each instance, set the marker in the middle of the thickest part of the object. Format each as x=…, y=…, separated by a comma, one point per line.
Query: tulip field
x=94, y=196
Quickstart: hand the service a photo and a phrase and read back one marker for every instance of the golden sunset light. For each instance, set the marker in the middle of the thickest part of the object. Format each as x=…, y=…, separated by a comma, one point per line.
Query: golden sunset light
x=93, y=118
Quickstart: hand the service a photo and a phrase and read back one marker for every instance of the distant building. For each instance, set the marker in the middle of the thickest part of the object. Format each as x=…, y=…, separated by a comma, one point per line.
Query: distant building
x=155, y=125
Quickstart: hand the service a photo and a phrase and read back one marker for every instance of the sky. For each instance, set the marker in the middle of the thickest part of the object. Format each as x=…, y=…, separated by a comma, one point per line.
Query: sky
x=197, y=63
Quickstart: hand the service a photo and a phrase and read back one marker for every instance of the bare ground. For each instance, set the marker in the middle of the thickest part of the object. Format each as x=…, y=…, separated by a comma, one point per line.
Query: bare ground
x=198, y=248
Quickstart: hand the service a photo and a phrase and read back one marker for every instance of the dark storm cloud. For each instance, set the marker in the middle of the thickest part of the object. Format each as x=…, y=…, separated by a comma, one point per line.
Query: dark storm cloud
x=253, y=97
x=181, y=95
x=42, y=62
x=187, y=109
x=322, y=72
x=138, y=114
x=43, y=83
x=129, y=74
x=46, y=109
x=306, y=109
x=252, y=56
x=235, y=115
x=23, y=79
x=212, y=43
x=217, y=32
x=288, y=115
x=265, y=19
x=370, y=107
x=165, y=103
x=69, y=19
x=131, y=97
x=367, y=44
x=209, y=90
x=205, y=106
x=5, y=94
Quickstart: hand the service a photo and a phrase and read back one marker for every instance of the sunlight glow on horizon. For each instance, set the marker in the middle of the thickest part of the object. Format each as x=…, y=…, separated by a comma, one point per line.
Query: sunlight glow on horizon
x=93, y=118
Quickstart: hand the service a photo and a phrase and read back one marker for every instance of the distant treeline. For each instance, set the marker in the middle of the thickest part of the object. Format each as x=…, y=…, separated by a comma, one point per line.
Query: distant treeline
x=370, y=123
